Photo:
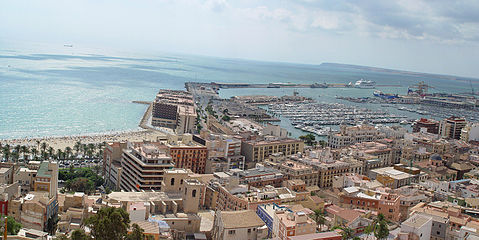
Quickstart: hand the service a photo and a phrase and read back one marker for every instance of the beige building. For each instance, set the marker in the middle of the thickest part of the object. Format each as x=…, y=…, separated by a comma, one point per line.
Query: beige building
x=294, y=223
x=174, y=109
x=296, y=170
x=349, y=135
x=238, y=225
x=25, y=177
x=6, y=175
x=451, y=127
x=46, y=179
x=258, y=151
x=143, y=165
x=177, y=204
x=35, y=209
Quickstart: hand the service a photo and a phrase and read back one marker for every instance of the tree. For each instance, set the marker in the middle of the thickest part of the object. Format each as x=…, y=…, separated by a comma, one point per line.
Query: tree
x=13, y=227
x=79, y=234
x=109, y=224
x=309, y=139
x=319, y=217
x=347, y=233
x=61, y=237
x=51, y=227
x=381, y=230
x=136, y=234
x=25, y=151
x=226, y=118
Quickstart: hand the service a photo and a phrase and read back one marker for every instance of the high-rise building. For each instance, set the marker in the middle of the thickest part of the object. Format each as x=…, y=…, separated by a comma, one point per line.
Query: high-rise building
x=186, y=153
x=451, y=127
x=143, y=165
x=175, y=110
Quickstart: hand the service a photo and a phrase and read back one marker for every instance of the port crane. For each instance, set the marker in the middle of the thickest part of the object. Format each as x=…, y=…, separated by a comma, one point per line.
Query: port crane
x=421, y=88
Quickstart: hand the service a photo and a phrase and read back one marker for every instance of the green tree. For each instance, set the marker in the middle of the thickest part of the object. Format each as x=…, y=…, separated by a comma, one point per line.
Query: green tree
x=347, y=233
x=79, y=235
x=109, y=224
x=226, y=118
x=309, y=139
x=13, y=227
x=319, y=217
x=136, y=233
x=61, y=237
x=51, y=226
x=381, y=230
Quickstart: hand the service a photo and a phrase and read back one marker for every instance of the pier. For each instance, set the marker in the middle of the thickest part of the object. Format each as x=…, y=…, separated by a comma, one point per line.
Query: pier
x=217, y=86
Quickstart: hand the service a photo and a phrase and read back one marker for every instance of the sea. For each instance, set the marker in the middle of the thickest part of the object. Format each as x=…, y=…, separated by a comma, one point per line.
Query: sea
x=65, y=90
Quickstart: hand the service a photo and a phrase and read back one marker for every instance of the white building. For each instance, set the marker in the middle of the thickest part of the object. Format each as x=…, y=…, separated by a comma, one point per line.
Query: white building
x=416, y=227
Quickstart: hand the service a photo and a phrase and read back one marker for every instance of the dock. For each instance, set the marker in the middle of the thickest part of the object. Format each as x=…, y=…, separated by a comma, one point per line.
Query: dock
x=217, y=86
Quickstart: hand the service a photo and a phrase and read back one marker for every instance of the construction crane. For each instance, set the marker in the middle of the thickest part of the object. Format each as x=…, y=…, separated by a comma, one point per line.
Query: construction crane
x=421, y=88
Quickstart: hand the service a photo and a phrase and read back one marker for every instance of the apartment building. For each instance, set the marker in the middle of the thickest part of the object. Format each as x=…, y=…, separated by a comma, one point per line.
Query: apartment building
x=430, y=125
x=397, y=176
x=259, y=150
x=186, y=153
x=241, y=225
x=25, y=178
x=298, y=171
x=143, y=166
x=349, y=135
x=451, y=127
x=35, y=209
x=293, y=223
x=174, y=109
x=46, y=179
x=385, y=203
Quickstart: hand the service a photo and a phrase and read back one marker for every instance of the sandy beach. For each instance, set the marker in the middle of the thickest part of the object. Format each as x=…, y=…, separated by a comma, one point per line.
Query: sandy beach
x=62, y=142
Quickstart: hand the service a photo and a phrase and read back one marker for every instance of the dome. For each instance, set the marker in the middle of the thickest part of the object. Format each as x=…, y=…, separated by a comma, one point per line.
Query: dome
x=436, y=156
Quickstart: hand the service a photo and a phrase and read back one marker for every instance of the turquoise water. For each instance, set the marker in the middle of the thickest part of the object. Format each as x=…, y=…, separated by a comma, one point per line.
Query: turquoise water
x=60, y=91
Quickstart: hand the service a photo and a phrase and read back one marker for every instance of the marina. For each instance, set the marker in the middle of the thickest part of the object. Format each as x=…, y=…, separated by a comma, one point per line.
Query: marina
x=318, y=117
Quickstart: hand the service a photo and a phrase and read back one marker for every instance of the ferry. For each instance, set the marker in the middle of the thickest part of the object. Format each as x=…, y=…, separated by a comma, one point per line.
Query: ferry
x=361, y=83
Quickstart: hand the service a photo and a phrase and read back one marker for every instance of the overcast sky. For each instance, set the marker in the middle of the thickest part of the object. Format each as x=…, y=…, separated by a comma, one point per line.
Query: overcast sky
x=440, y=36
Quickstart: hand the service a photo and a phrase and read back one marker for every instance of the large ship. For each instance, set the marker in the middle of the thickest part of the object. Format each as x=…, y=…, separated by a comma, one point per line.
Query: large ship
x=361, y=83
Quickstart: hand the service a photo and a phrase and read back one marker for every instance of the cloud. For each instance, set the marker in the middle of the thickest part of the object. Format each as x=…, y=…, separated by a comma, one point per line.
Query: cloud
x=441, y=20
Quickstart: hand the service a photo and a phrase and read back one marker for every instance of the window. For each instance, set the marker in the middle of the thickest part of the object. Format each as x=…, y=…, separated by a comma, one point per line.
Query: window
x=189, y=222
x=172, y=181
x=193, y=193
x=231, y=232
x=249, y=230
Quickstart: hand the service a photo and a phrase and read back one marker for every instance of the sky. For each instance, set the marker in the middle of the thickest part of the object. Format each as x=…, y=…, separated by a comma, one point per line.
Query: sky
x=440, y=36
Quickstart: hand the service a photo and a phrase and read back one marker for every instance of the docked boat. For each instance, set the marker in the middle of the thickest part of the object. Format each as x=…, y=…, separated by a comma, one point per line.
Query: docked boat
x=380, y=94
x=361, y=83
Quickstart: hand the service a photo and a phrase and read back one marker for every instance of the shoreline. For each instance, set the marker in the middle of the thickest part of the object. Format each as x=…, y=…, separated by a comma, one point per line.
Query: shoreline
x=61, y=142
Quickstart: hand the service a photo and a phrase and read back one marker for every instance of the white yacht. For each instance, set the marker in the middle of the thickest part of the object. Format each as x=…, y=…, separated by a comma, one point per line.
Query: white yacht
x=361, y=83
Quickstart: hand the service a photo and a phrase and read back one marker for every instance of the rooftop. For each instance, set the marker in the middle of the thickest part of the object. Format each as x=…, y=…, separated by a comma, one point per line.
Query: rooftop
x=241, y=219
x=315, y=236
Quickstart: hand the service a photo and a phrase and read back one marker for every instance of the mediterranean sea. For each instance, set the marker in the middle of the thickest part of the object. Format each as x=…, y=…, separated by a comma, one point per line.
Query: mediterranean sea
x=63, y=90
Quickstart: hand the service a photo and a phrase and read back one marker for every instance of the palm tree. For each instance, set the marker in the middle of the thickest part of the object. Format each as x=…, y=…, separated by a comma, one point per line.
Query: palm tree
x=6, y=152
x=43, y=146
x=25, y=151
x=59, y=154
x=347, y=233
x=34, y=152
x=50, y=152
x=319, y=218
x=77, y=147
x=68, y=152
